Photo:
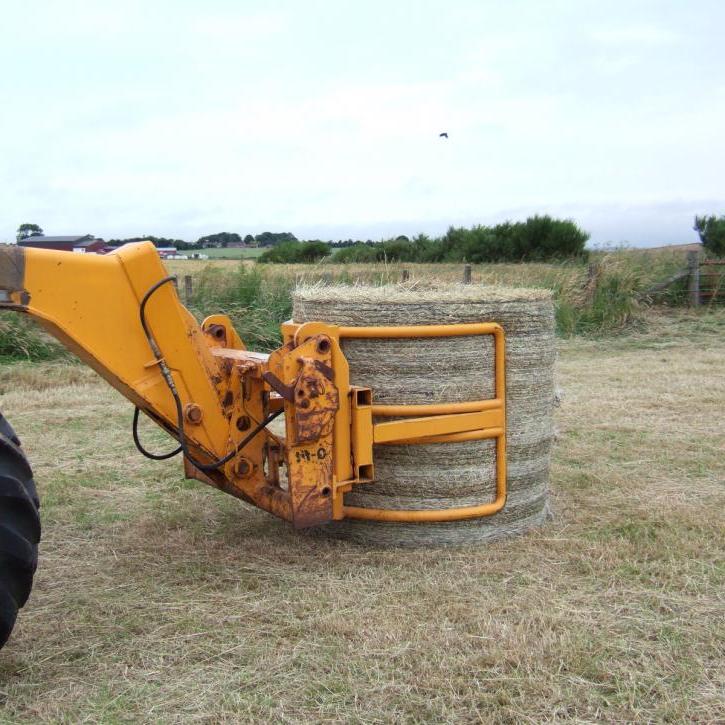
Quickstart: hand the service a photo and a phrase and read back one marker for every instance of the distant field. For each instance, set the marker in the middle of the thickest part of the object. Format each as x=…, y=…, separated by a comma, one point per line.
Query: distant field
x=233, y=252
x=195, y=266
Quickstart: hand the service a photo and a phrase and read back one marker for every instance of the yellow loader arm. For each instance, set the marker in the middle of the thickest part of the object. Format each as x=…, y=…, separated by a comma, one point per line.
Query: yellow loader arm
x=120, y=314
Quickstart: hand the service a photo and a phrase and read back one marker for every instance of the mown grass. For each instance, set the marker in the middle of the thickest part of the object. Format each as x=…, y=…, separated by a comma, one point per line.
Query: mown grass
x=160, y=600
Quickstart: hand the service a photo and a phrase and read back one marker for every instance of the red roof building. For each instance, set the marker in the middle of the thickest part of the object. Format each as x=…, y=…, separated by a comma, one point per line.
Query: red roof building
x=86, y=243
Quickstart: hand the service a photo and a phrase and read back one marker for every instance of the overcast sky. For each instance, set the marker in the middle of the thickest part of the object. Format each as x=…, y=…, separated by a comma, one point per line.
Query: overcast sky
x=322, y=118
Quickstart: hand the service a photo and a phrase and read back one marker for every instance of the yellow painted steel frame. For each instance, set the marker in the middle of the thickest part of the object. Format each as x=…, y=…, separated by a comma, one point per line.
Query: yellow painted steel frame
x=92, y=304
x=355, y=431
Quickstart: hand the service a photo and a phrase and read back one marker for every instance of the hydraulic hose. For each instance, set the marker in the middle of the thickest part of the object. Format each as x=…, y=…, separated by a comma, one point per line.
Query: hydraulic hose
x=168, y=378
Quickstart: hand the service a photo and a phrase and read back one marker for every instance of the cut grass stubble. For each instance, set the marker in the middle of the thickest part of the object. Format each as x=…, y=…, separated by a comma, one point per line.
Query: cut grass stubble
x=159, y=599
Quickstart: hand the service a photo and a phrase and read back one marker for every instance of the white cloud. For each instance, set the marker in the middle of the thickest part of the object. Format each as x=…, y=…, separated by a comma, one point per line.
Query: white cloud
x=179, y=119
x=635, y=35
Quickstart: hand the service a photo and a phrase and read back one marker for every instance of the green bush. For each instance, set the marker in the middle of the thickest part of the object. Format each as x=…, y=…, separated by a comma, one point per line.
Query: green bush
x=296, y=252
x=397, y=250
x=539, y=238
x=477, y=244
x=356, y=254
x=543, y=238
x=712, y=233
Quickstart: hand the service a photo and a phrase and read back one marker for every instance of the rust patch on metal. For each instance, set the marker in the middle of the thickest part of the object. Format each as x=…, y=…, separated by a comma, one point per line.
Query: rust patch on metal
x=193, y=413
x=273, y=455
x=302, y=379
x=12, y=272
x=326, y=370
x=285, y=391
x=310, y=486
x=191, y=471
x=316, y=400
x=243, y=468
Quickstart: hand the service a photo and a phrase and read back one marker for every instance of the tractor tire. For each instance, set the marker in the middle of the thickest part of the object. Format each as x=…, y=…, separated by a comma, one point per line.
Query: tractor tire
x=19, y=528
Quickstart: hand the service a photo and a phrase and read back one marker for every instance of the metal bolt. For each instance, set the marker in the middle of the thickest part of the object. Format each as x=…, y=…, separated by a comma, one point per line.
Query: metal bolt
x=193, y=413
x=243, y=422
x=243, y=468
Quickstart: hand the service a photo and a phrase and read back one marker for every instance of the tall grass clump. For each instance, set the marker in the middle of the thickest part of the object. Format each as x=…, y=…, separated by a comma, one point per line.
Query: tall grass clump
x=606, y=303
x=258, y=298
x=255, y=302
x=604, y=297
x=22, y=339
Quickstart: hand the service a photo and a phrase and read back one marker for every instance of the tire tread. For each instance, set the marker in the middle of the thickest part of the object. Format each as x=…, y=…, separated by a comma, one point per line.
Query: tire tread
x=19, y=528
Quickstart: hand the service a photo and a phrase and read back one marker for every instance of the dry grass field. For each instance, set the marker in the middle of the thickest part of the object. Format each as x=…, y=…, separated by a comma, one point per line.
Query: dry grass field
x=651, y=264
x=159, y=600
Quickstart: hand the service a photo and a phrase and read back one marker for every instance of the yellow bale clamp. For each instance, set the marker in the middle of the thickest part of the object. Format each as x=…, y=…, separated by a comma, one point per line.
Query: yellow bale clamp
x=423, y=424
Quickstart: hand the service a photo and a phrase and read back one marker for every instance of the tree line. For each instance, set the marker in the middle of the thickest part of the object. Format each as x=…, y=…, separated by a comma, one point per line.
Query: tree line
x=226, y=239
x=538, y=239
x=220, y=239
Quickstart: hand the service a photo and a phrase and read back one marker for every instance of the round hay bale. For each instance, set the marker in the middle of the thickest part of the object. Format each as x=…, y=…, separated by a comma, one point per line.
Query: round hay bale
x=447, y=370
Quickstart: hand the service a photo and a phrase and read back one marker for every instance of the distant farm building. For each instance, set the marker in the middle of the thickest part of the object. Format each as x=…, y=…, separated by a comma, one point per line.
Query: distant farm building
x=170, y=253
x=83, y=244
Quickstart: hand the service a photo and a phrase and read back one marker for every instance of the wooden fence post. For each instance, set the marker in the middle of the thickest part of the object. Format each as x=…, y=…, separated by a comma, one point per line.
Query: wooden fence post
x=592, y=272
x=188, y=287
x=406, y=275
x=693, y=282
x=467, y=274
x=590, y=288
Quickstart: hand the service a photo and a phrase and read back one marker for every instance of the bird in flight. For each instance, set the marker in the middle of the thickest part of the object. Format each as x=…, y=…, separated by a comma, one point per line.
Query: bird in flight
x=443, y=135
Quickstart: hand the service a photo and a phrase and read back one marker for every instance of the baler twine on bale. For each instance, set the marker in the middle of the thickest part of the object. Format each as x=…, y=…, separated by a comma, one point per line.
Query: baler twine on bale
x=447, y=370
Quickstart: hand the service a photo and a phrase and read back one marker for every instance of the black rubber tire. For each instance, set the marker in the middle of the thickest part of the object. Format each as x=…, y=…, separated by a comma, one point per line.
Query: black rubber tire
x=19, y=528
